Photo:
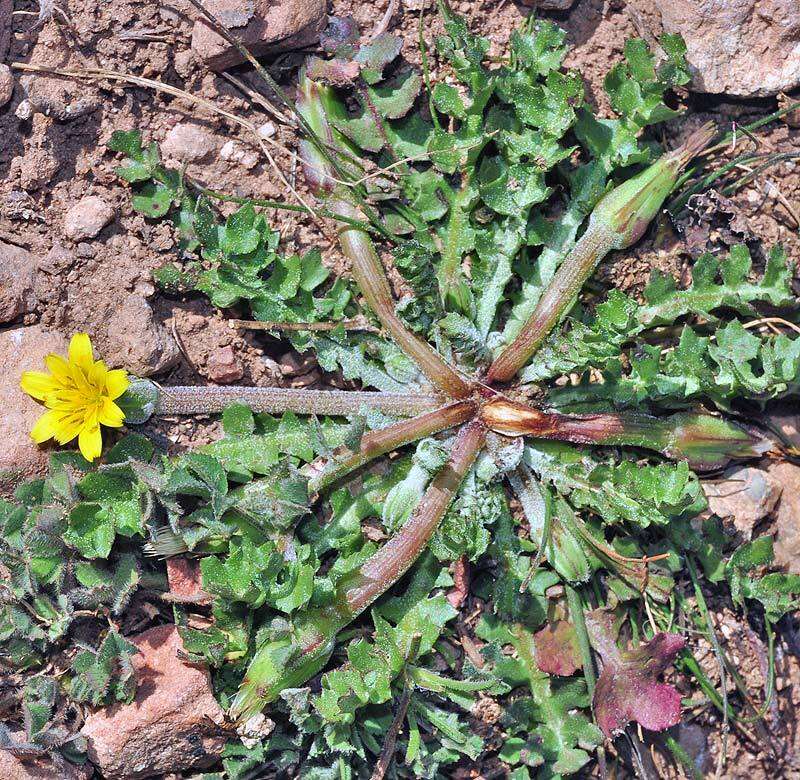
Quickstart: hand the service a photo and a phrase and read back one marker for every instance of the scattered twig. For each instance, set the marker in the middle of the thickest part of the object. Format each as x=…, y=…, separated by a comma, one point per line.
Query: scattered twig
x=257, y=97
x=160, y=86
x=383, y=25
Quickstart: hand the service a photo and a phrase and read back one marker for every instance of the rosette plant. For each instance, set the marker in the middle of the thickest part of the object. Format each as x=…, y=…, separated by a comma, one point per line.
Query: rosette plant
x=507, y=415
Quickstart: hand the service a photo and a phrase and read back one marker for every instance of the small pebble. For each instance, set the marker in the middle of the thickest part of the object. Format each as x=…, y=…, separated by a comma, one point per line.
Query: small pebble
x=187, y=143
x=87, y=218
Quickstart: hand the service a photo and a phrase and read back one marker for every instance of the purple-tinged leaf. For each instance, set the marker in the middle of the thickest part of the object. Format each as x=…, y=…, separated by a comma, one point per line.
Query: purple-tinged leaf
x=557, y=650
x=628, y=687
x=336, y=72
x=341, y=31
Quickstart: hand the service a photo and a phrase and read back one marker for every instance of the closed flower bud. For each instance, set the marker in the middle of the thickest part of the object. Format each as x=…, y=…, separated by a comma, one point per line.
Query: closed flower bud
x=629, y=208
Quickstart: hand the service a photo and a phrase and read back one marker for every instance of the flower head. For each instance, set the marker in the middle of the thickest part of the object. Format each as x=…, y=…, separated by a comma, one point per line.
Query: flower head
x=79, y=393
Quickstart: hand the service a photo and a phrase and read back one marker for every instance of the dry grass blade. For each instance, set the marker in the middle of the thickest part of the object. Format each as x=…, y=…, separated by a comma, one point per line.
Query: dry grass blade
x=98, y=74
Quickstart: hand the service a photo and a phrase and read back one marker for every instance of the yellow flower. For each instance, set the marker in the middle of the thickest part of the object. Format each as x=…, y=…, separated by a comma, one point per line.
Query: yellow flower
x=79, y=394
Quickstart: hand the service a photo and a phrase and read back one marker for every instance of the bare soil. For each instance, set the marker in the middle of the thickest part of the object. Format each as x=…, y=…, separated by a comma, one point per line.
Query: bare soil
x=49, y=160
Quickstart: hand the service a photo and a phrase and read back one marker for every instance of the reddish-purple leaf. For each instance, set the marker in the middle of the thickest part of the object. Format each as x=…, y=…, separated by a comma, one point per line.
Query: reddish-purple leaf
x=628, y=687
x=557, y=650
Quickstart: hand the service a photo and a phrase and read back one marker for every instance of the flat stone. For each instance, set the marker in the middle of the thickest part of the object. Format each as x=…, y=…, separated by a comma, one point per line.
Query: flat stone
x=166, y=727
x=263, y=26
x=185, y=580
x=743, y=48
x=133, y=339
x=87, y=218
x=787, y=517
x=37, y=768
x=22, y=349
x=17, y=282
x=744, y=494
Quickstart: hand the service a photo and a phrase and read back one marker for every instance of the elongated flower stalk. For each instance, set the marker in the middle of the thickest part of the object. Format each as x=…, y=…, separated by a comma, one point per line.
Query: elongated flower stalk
x=618, y=221
x=317, y=104
x=291, y=660
x=379, y=442
x=208, y=400
x=704, y=441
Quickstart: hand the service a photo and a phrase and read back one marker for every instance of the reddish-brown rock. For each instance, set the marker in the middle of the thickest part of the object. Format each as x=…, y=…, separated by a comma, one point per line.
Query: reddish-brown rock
x=166, y=727
x=263, y=26
x=224, y=367
x=745, y=48
x=38, y=768
x=787, y=517
x=17, y=277
x=187, y=142
x=134, y=339
x=185, y=580
x=22, y=349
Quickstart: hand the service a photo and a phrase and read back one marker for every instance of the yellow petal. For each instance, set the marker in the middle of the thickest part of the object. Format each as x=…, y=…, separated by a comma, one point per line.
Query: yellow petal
x=80, y=351
x=97, y=375
x=117, y=383
x=69, y=425
x=59, y=368
x=111, y=415
x=45, y=428
x=37, y=384
x=79, y=378
x=90, y=443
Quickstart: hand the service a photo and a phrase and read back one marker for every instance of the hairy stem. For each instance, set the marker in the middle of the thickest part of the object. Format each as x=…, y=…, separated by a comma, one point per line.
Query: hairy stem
x=208, y=400
x=379, y=442
x=455, y=292
x=291, y=660
x=394, y=559
x=317, y=104
x=617, y=221
x=703, y=440
x=556, y=300
x=370, y=276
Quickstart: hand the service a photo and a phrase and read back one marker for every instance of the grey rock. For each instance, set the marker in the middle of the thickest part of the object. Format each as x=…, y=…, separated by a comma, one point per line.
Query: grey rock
x=743, y=48
x=6, y=85
x=745, y=494
x=263, y=26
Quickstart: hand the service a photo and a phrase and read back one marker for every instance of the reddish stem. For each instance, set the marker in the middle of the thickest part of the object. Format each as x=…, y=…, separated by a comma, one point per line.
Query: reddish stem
x=395, y=558
x=379, y=442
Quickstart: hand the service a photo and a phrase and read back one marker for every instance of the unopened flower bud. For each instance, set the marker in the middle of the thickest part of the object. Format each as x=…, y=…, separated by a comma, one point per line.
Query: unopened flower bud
x=629, y=208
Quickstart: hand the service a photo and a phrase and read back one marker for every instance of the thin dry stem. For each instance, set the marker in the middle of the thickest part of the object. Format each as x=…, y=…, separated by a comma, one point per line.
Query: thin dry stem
x=159, y=86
